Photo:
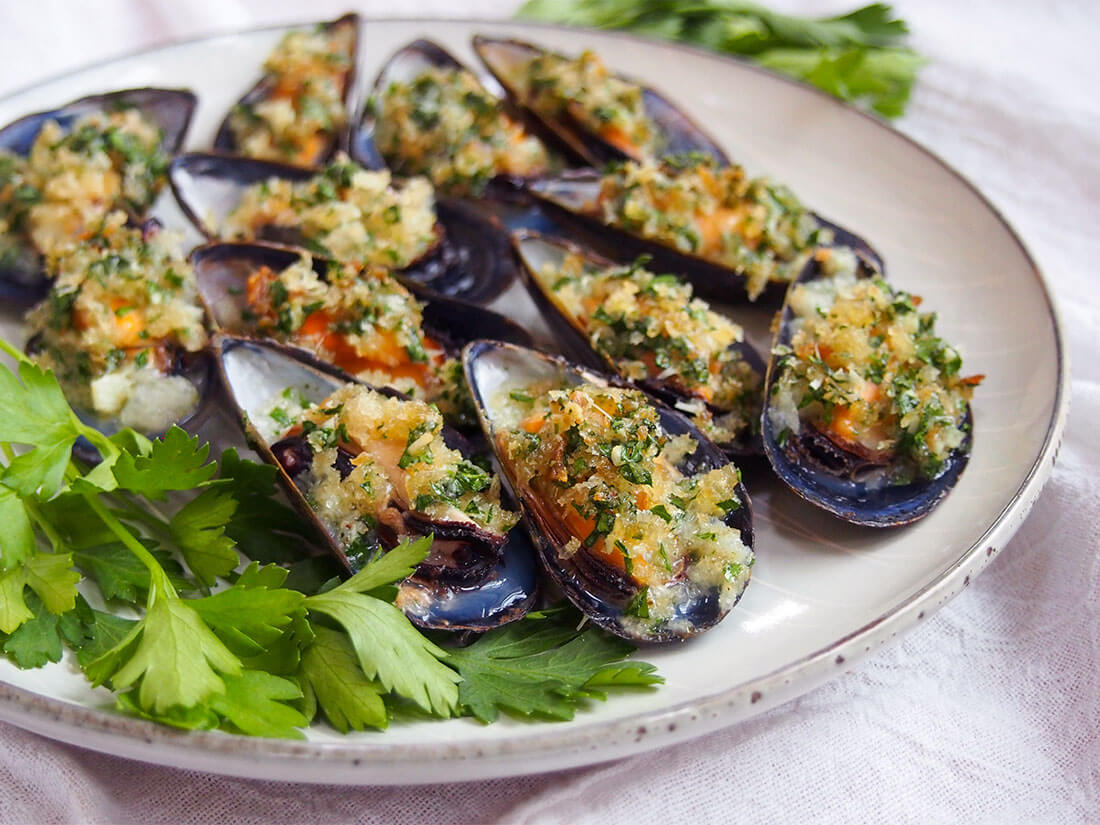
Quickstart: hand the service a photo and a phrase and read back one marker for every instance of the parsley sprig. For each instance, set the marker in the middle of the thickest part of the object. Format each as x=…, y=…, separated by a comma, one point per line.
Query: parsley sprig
x=858, y=56
x=192, y=551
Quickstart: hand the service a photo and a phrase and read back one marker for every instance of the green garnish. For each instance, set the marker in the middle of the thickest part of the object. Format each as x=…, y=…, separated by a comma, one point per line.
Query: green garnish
x=858, y=56
x=159, y=530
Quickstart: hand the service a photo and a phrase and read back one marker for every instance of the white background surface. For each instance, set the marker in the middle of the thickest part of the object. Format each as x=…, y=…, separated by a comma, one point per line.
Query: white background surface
x=989, y=712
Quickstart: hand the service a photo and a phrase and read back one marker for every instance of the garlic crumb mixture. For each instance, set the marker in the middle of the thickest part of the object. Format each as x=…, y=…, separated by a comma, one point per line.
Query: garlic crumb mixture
x=303, y=106
x=376, y=458
x=651, y=327
x=344, y=212
x=694, y=206
x=61, y=193
x=122, y=309
x=865, y=368
x=587, y=91
x=362, y=321
x=596, y=461
x=444, y=124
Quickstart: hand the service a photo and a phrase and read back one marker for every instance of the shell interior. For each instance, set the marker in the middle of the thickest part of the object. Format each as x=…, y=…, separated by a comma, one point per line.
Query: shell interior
x=471, y=260
x=841, y=483
x=225, y=140
x=404, y=66
x=254, y=373
x=536, y=251
x=22, y=278
x=676, y=133
x=494, y=370
x=571, y=199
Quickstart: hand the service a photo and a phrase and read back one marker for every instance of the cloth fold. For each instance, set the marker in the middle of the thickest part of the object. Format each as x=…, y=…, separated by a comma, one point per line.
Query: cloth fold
x=988, y=712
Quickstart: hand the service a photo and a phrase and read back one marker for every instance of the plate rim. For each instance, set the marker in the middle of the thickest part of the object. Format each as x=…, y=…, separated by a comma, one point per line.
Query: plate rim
x=539, y=749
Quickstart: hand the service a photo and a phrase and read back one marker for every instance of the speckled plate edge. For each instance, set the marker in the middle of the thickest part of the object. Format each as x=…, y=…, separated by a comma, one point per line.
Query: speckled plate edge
x=544, y=749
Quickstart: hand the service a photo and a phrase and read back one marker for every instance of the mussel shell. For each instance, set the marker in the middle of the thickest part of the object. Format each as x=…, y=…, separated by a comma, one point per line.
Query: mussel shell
x=676, y=133
x=843, y=483
x=222, y=271
x=22, y=279
x=225, y=140
x=404, y=66
x=197, y=367
x=601, y=592
x=534, y=250
x=471, y=260
x=504, y=587
x=570, y=198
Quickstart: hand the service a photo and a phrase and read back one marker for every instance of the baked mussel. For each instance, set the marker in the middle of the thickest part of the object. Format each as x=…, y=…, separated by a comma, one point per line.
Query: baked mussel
x=63, y=170
x=369, y=468
x=364, y=321
x=594, y=114
x=638, y=517
x=298, y=112
x=350, y=214
x=650, y=330
x=429, y=115
x=123, y=330
x=866, y=414
x=732, y=237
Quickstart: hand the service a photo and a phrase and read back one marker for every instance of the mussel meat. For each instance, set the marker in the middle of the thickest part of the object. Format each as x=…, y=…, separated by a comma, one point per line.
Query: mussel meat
x=648, y=329
x=596, y=115
x=429, y=115
x=866, y=414
x=298, y=111
x=639, y=518
x=369, y=467
x=350, y=214
x=63, y=170
x=732, y=237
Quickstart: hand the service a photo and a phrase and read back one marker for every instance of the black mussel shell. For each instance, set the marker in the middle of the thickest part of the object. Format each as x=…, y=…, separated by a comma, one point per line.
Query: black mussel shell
x=845, y=484
x=472, y=579
x=533, y=251
x=222, y=271
x=225, y=140
x=570, y=199
x=675, y=132
x=403, y=67
x=22, y=279
x=601, y=592
x=471, y=261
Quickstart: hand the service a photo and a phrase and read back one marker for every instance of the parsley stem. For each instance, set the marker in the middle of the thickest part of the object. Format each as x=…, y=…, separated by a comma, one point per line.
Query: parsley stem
x=56, y=542
x=7, y=348
x=128, y=511
x=158, y=580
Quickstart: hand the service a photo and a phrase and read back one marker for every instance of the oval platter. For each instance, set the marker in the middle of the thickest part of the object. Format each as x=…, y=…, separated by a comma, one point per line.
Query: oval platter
x=823, y=593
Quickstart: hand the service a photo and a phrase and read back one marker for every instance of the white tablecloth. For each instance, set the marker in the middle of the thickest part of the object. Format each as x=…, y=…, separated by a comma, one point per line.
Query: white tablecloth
x=988, y=712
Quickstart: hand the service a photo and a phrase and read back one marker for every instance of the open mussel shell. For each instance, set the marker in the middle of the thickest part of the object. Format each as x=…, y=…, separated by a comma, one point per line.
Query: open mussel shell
x=536, y=252
x=475, y=583
x=225, y=140
x=495, y=369
x=471, y=260
x=222, y=271
x=22, y=279
x=572, y=199
x=841, y=482
x=405, y=66
x=675, y=132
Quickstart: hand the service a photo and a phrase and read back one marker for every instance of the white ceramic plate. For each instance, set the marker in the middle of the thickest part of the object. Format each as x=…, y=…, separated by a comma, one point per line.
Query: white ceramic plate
x=822, y=593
